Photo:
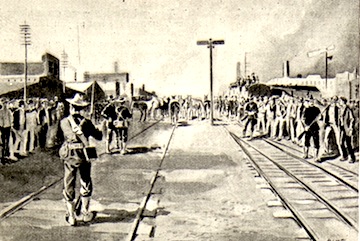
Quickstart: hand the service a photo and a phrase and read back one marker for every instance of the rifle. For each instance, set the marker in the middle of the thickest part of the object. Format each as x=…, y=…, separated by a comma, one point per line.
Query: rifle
x=315, y=119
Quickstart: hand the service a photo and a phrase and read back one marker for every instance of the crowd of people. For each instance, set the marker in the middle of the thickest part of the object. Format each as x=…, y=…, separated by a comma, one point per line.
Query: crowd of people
x=26, y=126
x=330, y=125
x=327, y=125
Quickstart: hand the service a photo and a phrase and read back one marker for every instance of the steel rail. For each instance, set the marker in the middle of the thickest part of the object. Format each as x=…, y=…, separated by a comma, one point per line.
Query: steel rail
x=15, y=206
x=326, y=202
x=312, y=164
x=133, y=230
x=332, y=164
x=297, y=217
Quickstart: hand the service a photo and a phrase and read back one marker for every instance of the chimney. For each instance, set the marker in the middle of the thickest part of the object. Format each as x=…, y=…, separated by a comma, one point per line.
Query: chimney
x=286, y=69
x=238, y=70
x=116, y=67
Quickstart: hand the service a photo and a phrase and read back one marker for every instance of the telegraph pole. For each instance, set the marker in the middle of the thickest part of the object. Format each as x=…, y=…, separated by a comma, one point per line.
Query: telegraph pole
x=64, y=63
x=210, y=44
x=25, y=34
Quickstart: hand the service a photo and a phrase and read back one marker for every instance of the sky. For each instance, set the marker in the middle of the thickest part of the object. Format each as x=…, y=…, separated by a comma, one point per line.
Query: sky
x=155, y=41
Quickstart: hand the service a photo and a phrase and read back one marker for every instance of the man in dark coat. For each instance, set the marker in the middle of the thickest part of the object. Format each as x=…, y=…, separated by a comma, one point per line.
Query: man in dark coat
x=251, y=111
x=346, y=130
x=311, y=127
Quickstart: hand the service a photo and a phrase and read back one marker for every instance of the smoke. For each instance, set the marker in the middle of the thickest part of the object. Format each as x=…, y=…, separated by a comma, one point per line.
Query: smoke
x=323, y=23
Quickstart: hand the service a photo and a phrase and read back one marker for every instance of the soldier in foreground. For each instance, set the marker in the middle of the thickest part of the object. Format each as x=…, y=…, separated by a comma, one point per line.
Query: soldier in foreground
x=76, y=154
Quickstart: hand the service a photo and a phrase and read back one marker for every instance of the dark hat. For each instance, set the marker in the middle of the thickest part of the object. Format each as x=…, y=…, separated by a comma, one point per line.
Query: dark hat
x=78, y=100
x=121, y=99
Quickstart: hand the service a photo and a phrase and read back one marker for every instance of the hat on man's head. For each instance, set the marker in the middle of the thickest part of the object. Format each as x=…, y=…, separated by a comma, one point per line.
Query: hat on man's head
x=121, y=98
x=78, y=100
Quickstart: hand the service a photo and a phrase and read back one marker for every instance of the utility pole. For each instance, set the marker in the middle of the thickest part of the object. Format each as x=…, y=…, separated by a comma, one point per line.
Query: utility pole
x=25, y=40
x=210, y=44
x=64, y=63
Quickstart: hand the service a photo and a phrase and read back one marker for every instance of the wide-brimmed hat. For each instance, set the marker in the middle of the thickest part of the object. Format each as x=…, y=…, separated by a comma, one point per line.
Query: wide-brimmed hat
x=78, y=100
x=120, y=99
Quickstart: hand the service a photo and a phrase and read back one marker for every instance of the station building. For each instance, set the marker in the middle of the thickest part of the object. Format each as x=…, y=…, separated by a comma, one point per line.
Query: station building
x=344, y=84
x=42, y=78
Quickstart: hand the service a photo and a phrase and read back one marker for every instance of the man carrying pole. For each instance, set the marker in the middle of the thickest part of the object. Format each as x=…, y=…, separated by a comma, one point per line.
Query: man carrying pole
x=311, y=128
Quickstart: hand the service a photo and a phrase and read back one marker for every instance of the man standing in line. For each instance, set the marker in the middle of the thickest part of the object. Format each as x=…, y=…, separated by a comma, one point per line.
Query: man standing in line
x=18, y=128
x=332, y=123
x=311, y=128
x=261, y=127
x=290, y=119
x=346, y=130
x=44, y=121
x=5, y=125
x=31, y=124
x=270, y=109
x=76, y=154
x=251, y=111
x=279, y=124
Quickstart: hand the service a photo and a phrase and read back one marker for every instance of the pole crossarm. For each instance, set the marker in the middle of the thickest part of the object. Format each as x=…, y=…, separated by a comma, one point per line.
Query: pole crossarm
x=203, y=42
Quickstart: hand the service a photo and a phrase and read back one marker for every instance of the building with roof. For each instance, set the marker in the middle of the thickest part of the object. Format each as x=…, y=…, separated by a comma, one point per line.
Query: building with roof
x=113, y=84
x=42, y=78
x=344, y=84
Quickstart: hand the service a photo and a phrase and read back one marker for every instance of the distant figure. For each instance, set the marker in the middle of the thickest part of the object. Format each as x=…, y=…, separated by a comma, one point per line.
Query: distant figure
x=279, y=124
x=121, y=124
x=261, y=127
x=251, y=111
x=174, y=110
x=207, y=107
x=117, y=116
x=31, y=124
x=76, y=154
x=270, y=117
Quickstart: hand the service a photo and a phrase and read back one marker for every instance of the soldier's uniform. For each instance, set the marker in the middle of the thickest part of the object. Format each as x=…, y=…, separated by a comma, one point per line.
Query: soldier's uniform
x=74, y=152
x=117, y=115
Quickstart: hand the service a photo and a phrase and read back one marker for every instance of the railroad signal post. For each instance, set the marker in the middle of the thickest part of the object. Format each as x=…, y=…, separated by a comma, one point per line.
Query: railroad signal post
x=210, y=44
x=327, y=58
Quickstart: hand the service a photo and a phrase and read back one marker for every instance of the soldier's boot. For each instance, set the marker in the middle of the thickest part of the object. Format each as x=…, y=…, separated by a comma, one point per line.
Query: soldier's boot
x=70, y=216
x=86, y=214
x=123, y=148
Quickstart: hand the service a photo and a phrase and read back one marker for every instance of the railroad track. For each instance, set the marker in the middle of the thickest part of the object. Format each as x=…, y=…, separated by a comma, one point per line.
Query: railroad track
x=132, y=234
x=348, y=177
x=324, y=204
x=15, y=206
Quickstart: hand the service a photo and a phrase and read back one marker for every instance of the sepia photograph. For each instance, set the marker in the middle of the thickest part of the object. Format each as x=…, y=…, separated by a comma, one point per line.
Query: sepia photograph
x=169, y=120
